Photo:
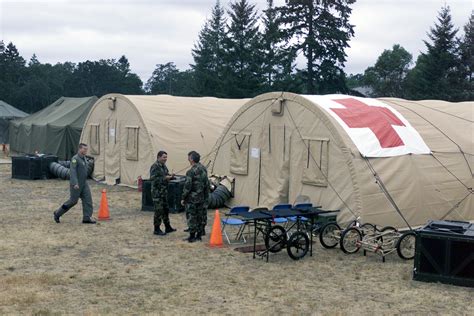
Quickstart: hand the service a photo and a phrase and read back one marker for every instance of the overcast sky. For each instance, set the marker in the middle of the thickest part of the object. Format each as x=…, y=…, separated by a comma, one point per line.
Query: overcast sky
x=151, y=32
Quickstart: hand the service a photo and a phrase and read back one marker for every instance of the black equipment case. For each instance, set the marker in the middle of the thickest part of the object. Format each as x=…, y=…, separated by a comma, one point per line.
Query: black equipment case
x=175, y=190
x=32, y=167
x=444, y=252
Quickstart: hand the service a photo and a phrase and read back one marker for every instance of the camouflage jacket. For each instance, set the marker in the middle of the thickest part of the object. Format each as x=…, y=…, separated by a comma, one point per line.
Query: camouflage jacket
x=159, y=184
x=196, y=188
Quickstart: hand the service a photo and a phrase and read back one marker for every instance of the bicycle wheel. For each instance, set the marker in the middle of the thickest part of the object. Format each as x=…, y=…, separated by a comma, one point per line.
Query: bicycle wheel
x=275, y=239
x=368, y=229
x=329, y=235
x=298, y=245
x=388, y=228
x=406, y=245
x=350, y=240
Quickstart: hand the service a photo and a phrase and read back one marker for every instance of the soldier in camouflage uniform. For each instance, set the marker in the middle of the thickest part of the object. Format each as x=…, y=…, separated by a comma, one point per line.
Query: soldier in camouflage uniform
x=195, y=196
x=78, y=188
x=160, y=176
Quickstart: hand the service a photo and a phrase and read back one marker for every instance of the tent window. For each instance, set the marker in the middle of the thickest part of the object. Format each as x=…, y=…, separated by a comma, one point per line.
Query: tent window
x=131, y=152
x=316, y=161
x=94, y=141
x=239, y=153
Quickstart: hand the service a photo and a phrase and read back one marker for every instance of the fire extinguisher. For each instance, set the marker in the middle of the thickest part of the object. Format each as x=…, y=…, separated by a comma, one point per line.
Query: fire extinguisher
x=140, y=184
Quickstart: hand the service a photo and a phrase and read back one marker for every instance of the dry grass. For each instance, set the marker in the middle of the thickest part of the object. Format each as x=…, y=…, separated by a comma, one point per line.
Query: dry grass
x=119, y=267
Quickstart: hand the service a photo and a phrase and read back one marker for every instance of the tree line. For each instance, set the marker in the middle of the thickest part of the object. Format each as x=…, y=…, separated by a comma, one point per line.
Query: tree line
x=445, y=71
x=241, y=52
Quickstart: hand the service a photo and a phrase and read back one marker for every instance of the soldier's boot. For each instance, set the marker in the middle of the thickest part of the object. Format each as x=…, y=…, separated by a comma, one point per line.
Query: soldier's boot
x=198, y=237
x=59, y=212
x=169, y=229
x=88, y=220
x=158, y=231
x=56, y=217
x=191, y=238
x=203, y=231
x=186, y=230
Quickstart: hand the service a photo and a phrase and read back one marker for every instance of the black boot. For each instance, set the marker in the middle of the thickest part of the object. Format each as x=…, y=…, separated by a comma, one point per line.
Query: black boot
x=198, y=237
x=186, y=230
x=88, y=221
x=191, y=238
x=169, y=229
x=59, y=212
x=158, y=231
x=56, y=217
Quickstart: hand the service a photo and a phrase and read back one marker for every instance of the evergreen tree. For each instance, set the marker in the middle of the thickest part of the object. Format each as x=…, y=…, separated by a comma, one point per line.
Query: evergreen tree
x=128, y=82
x=243, y=75
x=466, y=47
x=102, y=77
x=123, y=65
x=12, y=75
x=321, y=30
x=278, y=61
x=208, y=54
x=35, y=93
x=163, y=79
x=436, y=74
x=387, y=76
x=185, y=84
x=33, y=61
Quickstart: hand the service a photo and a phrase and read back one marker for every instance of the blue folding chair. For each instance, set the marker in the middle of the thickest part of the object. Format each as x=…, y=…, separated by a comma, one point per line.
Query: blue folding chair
x=235, y=222
x=281, y=220
x=301, y=206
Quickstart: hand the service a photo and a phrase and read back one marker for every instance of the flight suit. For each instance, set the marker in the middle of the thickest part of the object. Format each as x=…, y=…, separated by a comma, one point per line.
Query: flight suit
x=78, y=176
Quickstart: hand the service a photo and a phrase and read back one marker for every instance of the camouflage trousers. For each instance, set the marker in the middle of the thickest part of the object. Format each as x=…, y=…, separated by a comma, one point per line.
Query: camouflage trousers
x=203, y=217
x=161, y=213
x=197, y=217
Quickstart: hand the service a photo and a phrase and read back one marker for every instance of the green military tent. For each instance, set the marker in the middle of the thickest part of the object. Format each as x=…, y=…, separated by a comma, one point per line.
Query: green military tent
x=55, y=129
x=7, y=113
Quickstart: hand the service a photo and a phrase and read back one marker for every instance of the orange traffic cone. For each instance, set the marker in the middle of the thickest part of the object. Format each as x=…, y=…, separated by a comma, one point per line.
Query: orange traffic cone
x=216, y=234
x=104, y=207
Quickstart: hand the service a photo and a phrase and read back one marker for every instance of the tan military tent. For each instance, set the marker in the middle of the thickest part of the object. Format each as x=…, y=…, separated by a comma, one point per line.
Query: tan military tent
x=281, y=145
x=125, y=132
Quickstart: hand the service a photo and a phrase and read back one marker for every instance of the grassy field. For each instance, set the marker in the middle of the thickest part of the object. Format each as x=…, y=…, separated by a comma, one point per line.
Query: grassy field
x=118, y=267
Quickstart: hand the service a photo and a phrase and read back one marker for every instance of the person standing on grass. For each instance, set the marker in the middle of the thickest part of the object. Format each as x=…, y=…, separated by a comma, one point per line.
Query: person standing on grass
x=78, y=188
x=195, y=196
x=160, y=177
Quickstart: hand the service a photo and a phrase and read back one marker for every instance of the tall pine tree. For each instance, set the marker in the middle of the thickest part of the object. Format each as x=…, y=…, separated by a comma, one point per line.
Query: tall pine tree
x=208, y=54
x=243, y=62
x=321, y=30
x=12, y=75
x=466, y=47
x=278, y=60
x=436, y=74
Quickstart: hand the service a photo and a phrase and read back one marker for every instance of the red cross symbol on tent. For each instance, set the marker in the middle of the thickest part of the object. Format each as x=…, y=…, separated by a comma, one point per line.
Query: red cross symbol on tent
x=378, y=119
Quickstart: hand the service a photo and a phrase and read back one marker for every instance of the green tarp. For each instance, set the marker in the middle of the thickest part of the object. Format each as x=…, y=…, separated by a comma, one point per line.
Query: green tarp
x=7, y=113
x=55, y=129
